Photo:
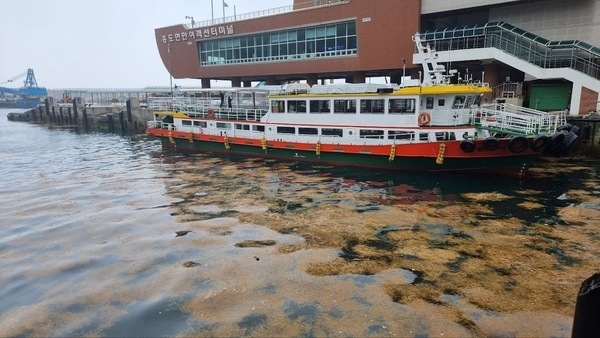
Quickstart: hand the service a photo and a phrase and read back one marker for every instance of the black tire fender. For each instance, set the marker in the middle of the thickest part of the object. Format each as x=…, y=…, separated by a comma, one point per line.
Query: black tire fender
x=491, y=143
x=539, y=143
x=518, y=144
x=468, y=146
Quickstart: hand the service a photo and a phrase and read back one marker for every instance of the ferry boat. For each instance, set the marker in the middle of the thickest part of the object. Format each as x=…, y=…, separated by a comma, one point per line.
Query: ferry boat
x=431, y=125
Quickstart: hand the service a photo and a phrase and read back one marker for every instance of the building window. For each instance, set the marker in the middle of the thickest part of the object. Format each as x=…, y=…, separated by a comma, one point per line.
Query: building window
x=322, y=41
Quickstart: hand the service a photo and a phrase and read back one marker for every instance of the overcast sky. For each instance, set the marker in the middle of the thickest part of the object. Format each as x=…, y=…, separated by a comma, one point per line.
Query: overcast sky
x=98, y=43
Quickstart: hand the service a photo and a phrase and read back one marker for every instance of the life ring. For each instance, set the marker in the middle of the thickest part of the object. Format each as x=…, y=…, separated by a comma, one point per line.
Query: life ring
x=211, y=113
x=424, y=119
x=468, y=146
x=518, y=144
x=539, y=143
x=491, y=143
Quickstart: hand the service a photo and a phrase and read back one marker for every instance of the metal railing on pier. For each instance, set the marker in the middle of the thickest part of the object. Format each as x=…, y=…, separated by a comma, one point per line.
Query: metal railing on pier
x=574, y=54
x=261, y=13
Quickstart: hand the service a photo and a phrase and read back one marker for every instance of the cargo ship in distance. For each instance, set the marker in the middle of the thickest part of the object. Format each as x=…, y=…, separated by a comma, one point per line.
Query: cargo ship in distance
x=29, y=96
x=430, y=125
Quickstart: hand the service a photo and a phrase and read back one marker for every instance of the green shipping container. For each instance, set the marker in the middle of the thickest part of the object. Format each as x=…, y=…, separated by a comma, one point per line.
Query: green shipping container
x=549, y=96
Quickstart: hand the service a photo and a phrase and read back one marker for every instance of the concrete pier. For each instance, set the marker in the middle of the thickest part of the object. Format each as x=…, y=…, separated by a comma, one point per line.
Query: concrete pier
x=122, y=119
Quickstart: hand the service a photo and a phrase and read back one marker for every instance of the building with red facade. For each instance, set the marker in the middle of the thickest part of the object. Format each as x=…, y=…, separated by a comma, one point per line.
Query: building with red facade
x=354, y=40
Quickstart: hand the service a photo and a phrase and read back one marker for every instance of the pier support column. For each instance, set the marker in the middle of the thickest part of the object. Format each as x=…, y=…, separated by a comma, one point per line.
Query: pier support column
x=236, y=82
x=205, y=83
x=491, y=73
x=311, y=79
x=575, y=98
x=589, y=101
x=86, y=126
x=358, y=77
x=272, y=80
x=75, y=113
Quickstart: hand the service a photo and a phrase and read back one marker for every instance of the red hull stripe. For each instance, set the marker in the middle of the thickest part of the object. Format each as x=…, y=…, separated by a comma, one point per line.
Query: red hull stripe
x=425, y=149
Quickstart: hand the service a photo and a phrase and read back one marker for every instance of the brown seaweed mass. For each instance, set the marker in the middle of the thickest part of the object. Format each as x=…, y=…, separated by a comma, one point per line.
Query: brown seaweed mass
x=453, y=245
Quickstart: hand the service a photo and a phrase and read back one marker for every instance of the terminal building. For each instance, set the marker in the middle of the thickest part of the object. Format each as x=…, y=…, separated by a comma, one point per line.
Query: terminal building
x=543, y=53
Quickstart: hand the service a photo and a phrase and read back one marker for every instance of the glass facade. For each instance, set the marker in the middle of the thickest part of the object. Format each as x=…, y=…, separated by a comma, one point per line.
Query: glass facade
x=322, y=41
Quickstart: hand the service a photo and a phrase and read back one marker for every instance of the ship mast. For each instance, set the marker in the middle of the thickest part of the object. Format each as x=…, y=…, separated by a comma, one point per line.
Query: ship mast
x=433, y=73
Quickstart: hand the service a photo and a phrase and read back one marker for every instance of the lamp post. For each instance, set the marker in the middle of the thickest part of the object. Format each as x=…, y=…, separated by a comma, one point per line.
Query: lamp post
x=191, y=18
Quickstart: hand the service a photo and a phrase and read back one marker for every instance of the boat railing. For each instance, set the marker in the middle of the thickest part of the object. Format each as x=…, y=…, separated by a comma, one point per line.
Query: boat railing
x=160, y=125
x=208, y=107
x=513, y=119
x=236, y=114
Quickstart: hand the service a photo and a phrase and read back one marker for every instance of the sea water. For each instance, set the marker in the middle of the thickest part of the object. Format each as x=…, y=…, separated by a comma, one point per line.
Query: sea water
x=107, y=235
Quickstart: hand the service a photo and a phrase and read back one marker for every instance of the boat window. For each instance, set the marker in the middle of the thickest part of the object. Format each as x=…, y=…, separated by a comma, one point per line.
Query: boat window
x=441, y=102
x=320, y=107
x=459, y=102
x=222, y=125
x=372, y=106
x=277, y=106
x=477, y=101
x=402, y=106
x=286, y=130
x=258, y=128
x=296, y=106
x=308, y=131
x=344, y=106
x=242, y=126
x=429, y=103
x=400, y=135
x=200, y=124
x=469, y=101
x=332, y=132
x=186, y=122
x=371, y=133
x=444, y=136
x=423, y=136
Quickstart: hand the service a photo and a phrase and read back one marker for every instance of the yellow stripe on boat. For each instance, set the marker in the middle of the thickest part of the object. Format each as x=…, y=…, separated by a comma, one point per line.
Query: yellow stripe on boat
x=443, y=89
x=171, y=113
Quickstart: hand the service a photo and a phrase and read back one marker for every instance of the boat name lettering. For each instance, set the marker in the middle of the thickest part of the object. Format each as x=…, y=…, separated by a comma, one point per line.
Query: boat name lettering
x=198, y=34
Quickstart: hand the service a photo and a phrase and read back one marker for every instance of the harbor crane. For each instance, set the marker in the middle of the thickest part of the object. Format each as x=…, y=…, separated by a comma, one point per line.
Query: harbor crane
x=29, y=80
